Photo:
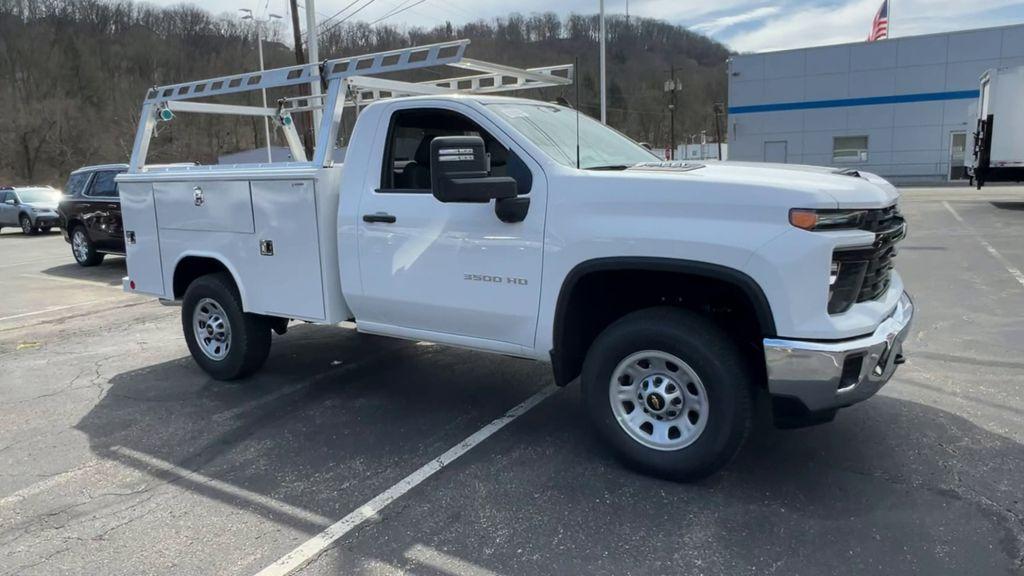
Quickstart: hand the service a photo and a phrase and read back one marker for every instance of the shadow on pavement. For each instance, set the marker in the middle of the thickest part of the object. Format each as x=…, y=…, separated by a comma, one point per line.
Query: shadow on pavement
x=891, y=486
x=333, y=418
x=109, y=272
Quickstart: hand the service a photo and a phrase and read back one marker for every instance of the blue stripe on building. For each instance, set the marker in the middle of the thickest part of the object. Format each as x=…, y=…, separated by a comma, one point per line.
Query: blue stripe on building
x=849, y=102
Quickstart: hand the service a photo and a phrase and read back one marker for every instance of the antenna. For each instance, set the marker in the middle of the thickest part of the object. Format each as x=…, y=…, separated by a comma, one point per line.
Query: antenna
x=576, y=81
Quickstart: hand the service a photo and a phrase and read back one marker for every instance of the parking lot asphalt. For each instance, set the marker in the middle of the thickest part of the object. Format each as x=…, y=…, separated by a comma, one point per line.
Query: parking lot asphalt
x=119, y=456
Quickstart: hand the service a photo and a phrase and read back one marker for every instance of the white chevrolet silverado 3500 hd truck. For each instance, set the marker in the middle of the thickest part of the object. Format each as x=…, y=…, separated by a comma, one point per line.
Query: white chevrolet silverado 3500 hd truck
x=676, y=292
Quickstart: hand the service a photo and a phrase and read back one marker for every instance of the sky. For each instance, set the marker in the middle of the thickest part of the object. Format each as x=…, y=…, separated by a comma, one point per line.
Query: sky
x=742, y=25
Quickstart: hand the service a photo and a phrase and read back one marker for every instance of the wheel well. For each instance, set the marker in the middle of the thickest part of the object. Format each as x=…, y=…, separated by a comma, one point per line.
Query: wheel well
x=192, y=267
x=597, y=293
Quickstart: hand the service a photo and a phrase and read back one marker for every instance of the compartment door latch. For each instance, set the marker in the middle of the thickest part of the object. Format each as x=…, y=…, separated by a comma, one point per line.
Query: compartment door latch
x=197, y=196
x=266, y=247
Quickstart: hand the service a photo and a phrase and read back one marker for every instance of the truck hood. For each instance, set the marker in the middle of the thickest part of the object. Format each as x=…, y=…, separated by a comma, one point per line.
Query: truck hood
x=848, y=188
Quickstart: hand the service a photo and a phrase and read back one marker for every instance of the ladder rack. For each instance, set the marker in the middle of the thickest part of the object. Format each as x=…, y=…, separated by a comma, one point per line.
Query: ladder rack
x=352, y=81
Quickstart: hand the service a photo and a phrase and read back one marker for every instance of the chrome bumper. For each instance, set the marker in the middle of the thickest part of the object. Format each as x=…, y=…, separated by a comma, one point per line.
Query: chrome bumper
x=825, y=375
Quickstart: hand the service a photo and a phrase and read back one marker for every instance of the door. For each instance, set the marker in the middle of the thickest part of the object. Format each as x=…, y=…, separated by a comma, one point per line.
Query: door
x=957, y=155
x=102, y=212
x=142, y=240
x=8, y=209
x=447, y=268
x=775, y=152
x=288, y=277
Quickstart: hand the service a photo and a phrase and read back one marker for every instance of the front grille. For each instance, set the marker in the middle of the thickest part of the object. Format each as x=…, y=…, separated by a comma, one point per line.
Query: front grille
x=865, y=273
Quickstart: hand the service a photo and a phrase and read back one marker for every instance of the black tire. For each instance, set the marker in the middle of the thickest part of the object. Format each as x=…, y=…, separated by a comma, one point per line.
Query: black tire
x=249, y=342
x=710, y=353
x=26, y=226
x=89, y=256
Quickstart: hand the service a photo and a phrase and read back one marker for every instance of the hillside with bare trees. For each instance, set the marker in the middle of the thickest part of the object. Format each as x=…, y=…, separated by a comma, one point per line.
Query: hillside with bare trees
x=73, y=72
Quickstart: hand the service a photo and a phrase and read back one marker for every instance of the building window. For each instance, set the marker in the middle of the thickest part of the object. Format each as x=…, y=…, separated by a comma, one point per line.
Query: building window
x=850, y=149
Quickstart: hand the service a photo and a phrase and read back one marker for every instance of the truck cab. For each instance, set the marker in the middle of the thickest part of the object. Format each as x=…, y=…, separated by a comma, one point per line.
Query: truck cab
x=676, y=293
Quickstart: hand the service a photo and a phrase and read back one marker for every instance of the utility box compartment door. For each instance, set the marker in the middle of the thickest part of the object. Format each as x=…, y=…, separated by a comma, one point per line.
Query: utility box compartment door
x=205, y=206
x=141, y=238
x=288, y=246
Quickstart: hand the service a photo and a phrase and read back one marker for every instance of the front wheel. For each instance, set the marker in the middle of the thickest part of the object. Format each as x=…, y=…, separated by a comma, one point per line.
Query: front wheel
x=225, y=341
x=26, y=226
x=670, y=392
x=83, y=249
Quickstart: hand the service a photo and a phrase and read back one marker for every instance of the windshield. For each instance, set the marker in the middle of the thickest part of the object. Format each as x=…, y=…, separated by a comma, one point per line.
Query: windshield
x=553, y=129
x=33, y=195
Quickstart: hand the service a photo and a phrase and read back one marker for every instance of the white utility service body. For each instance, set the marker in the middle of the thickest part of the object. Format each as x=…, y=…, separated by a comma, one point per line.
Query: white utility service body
x=326, y=242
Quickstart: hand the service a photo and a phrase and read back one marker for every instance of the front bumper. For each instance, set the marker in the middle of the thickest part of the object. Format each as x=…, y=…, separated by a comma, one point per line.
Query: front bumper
x=46, y=220
x=828, y=375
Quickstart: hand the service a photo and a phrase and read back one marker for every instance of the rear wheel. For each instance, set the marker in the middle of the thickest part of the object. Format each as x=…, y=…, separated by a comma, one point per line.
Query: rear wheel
x=225, y=341
x=83, y=249
x=670, y=391
x=26, y=226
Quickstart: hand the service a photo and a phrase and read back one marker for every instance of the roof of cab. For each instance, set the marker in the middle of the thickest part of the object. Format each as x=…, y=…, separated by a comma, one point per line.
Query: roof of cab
x=101, y=167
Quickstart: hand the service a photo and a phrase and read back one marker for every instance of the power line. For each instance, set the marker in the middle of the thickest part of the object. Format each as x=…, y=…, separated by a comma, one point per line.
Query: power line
x=343, y=20
x=397, y=11
x=338, y=13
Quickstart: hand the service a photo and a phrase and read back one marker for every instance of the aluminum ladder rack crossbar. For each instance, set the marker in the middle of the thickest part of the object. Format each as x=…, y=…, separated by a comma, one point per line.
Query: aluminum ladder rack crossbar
x=349, y=81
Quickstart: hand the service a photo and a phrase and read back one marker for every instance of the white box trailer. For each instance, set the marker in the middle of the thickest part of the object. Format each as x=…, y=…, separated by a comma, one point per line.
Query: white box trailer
x=999, y=138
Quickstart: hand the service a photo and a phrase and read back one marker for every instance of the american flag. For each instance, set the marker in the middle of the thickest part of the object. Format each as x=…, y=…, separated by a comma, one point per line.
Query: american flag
x=880, y=25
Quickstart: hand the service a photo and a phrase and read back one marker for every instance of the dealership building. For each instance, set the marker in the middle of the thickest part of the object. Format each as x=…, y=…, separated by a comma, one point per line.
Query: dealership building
x=895, y=107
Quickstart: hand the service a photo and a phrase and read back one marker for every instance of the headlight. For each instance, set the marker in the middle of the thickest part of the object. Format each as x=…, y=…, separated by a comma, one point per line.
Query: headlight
x=827, y=219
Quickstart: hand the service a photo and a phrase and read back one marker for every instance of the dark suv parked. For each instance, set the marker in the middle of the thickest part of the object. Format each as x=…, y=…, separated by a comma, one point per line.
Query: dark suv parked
x=90, y=213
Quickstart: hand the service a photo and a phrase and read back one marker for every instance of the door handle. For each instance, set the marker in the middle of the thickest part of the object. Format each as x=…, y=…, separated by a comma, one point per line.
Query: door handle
x=380, y=217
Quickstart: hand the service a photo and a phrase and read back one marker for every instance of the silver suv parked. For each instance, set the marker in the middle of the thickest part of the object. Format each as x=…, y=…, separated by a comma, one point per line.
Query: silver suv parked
x=33, y=209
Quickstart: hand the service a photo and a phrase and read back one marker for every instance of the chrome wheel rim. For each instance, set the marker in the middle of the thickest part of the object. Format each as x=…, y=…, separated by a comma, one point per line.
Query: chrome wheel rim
x=658, y=400
x=80, y=246
x=212, y=329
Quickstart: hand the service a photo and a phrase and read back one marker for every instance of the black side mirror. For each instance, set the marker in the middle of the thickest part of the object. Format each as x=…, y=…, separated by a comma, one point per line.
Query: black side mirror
x=459, y=171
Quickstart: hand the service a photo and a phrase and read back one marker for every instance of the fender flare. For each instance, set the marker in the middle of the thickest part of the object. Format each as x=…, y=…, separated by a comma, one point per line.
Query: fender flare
x=747, y=285
x=217, y=258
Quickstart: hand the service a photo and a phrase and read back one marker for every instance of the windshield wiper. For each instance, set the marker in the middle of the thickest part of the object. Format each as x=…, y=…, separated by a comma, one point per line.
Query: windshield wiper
x=610, y=167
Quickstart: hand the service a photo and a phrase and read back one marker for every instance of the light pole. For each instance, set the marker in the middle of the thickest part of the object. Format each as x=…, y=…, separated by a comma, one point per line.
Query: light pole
x=259, y=46
x=671, y=87
x=604, y=110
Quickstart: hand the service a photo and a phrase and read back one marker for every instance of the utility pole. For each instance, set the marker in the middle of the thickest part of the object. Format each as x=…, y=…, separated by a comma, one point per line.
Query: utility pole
x=314, y=58
x=671, y=88
x=303, y=122
x=719, y=110
x=604, y=109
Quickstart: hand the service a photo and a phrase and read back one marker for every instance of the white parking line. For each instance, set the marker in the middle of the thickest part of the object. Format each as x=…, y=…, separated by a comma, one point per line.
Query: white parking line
x=300, y=556
x=44, y=485
x=27, y=262
x=231, y=413
x=445, y=563
x=223, y=487
x=73, y=280
x=1013, y=270
x=56, y=308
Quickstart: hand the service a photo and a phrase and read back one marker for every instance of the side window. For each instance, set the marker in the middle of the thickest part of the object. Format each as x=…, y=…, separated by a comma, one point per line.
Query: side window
x=103, y=185
x=4, y=197
x=76, y=184
x=406, y=166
